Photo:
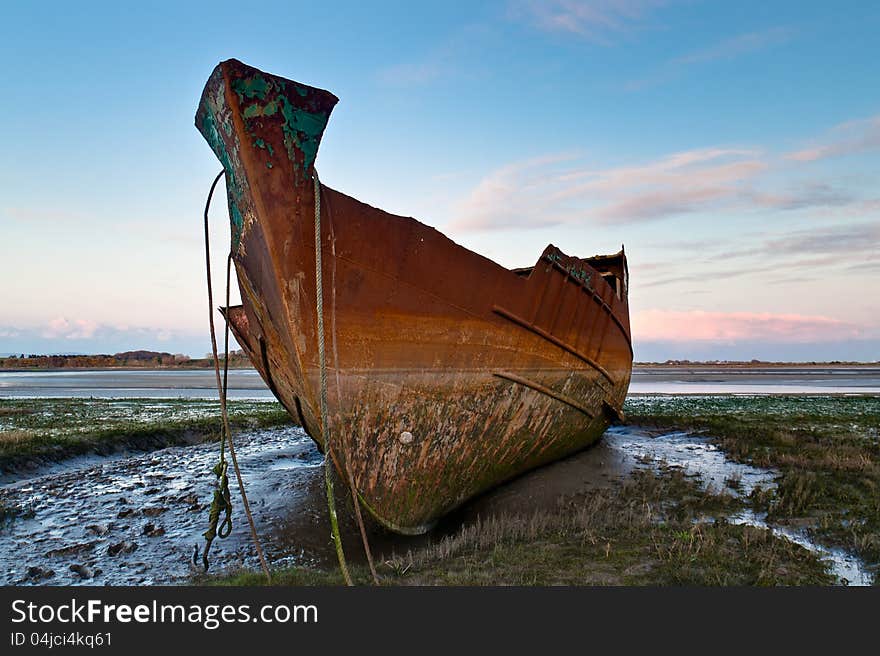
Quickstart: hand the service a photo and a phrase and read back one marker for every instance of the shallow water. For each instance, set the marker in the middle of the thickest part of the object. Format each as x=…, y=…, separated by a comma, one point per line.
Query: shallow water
x=846, y=567
x=150, y=510
x=755, y=380
x=247, y=384
x=136, y=383
x=697, y=456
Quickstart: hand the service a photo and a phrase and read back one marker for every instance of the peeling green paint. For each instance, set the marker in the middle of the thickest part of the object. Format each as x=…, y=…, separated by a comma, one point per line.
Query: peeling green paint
x=255, y=86
x=255, y=110
x=212, y=121
x=237, y=223
x=302, y=130
x=261, y=143
x=274, y=111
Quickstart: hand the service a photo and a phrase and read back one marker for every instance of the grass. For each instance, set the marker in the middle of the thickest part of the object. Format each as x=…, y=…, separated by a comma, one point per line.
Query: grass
x=64, y=427
x=662, y=528
x=658, y=528
x=827, y=450
x=653, y=530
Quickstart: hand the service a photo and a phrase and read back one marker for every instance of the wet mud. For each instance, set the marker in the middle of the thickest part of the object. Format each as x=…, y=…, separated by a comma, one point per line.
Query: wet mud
x=138, y=520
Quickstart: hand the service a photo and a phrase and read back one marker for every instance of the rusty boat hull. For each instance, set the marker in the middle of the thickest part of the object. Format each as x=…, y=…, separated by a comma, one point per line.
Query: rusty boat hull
x=447, y=373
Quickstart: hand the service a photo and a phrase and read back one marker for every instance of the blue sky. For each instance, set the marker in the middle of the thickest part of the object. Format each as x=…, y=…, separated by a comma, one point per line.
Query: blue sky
x=733, y=147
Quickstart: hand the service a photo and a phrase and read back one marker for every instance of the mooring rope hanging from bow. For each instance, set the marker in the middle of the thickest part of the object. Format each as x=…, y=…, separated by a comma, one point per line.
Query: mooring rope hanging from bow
x=322, y=363
x=319, y=276
x=222, y=501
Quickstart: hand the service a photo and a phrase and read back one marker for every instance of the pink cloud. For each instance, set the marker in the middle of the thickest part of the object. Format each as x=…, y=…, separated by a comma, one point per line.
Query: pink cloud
x=537, y=193
x=515, y=195
x=690, y=168
x=90, y=334
x=725, y=327
x=76, y=329
x=846, y=139
x=652, y=204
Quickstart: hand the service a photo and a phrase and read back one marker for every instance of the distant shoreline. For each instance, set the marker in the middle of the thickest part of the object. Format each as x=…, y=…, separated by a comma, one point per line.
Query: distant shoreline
x=238, y=366
x=135, y=360
x=207, y=367
x=144, y=360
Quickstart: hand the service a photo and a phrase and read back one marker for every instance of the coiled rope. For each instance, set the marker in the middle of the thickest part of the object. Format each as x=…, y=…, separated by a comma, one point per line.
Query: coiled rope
x=222, y=501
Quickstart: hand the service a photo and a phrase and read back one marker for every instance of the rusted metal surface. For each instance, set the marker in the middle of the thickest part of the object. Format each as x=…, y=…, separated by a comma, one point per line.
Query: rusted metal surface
x=447, y=373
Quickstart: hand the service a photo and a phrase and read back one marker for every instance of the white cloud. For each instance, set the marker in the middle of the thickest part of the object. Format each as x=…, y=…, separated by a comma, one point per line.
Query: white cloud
x=598, y=21
x=727, y=49
x=740, y=44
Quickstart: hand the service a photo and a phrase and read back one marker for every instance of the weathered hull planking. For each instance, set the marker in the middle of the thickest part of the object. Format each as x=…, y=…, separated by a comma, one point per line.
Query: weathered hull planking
x=447, y=374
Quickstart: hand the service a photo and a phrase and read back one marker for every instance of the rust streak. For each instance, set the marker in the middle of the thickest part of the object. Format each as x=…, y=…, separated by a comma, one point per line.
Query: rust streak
x=550, y=338
x=544, y=390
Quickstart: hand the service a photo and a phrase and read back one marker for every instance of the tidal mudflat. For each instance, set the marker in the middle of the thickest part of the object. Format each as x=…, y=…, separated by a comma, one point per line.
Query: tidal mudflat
x=38, y=432
x=129, y=383
x=247, y=384
x=706, y=490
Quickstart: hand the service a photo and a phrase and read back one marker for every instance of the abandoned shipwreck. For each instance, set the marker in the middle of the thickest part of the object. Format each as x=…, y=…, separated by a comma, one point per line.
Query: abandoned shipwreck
x=445, y=373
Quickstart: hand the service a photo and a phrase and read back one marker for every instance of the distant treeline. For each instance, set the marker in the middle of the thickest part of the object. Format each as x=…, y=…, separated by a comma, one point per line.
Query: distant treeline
x=129, y=359
x=238, y=360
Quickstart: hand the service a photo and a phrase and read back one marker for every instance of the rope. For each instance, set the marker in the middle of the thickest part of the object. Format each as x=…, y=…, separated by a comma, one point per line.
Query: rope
x=322, y=360
x=354, y=496
x=221, y=502
x=222, y=499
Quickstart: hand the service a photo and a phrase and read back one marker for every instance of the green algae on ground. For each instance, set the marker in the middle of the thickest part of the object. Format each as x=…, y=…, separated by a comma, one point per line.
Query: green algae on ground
x=654, y=530
x=826, y=448
x=56, y=428
x=662, y=528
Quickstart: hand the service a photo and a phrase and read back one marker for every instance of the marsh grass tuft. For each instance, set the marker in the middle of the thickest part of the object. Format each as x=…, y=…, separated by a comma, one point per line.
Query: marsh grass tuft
x=15, y=436
x=651, y=530
x=825, y=448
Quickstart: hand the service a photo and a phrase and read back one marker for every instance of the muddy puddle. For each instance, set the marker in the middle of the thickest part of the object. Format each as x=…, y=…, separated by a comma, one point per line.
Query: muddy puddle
x=137, y=520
